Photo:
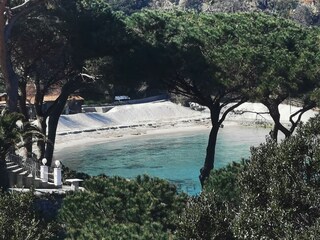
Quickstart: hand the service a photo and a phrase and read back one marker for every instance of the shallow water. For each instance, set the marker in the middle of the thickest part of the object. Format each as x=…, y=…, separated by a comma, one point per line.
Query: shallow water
x=175, y=157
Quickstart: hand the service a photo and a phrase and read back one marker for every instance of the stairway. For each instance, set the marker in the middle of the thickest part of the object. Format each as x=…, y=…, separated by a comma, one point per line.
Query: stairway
x=19, y=177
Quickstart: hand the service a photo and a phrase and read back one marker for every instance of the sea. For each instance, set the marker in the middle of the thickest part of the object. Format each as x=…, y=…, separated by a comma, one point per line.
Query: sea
x=176, y=157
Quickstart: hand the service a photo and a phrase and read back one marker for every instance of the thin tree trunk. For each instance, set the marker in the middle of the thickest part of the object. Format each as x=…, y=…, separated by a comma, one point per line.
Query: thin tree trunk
x=53, y=124
x=275, y=114
x=10, y=78
x=41, y=143
x=23, y=101
x=24, y=110
x=12, y=86
x=274, y=133
x=211, y=147
x=4, y=177
x=52, y=129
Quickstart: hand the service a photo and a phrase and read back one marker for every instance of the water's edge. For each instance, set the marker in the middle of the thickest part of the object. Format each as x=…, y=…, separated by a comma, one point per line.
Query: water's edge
x=176, y=157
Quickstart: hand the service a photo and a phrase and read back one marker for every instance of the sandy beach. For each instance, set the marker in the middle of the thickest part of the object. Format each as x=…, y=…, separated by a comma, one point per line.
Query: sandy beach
x=155, y=118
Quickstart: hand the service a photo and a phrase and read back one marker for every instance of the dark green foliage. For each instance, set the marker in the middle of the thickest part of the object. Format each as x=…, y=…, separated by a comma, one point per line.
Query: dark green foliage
x=20, y=220
x=10, y=133
x=209, y=215
x=206, y=217
x=105, y=46
x=244, y=56
x=280, y=188
x=224, y=182
x=116, y=208
x=96, y=30
x=275, y=195
x=218, y=51
x=48, y=205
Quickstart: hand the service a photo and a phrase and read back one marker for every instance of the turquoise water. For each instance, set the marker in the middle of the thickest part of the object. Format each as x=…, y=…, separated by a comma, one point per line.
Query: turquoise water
x=175, y=157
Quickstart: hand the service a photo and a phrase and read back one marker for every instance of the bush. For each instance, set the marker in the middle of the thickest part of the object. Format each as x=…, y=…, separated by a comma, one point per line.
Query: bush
x=274, y=195
x=209, y=215
x=116, y=208
x=206, y=217
x=280, y=197
x=19, y=219
x=224, y=182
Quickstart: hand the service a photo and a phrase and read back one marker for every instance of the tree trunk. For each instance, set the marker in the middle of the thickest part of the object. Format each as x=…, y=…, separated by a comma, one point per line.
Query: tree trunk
x=10, y=78
x=52, y=129
x=23, y=100
x=211, y=148
x=275, y=114
x=4, y=177
x=24, y=111
x=53, y=124
x=41, y=143
x=12, y=86
x=274, y=132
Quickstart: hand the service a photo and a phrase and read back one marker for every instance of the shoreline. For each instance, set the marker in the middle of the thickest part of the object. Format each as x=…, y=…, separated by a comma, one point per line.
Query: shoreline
x=154, y=118
x=119, y=133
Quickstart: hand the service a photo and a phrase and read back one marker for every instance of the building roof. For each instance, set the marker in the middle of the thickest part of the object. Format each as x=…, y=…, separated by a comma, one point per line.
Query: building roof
x=52, y=98
x=75, y=98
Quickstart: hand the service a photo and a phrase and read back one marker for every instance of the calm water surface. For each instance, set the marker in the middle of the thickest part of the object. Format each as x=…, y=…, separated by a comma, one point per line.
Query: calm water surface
x=175, y=157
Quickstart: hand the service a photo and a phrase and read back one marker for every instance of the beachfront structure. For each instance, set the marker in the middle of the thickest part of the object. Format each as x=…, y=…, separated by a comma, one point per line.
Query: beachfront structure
x=27, y=173
x=73, y=105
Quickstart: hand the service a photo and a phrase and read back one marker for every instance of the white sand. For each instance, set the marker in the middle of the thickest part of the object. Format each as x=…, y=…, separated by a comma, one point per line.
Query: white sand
x=127, y=115
x=162, y=117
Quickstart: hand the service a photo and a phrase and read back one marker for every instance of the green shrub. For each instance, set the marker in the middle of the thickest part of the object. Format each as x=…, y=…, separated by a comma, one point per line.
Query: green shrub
x=117, y=208
x=274, y=195
x=224, y=182
x=209, y=215
x=20, y=220
x=206, y=217
x=280, y=188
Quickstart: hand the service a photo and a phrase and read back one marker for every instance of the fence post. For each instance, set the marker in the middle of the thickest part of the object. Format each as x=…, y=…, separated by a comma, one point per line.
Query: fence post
x=57, y=174
x=44, y=171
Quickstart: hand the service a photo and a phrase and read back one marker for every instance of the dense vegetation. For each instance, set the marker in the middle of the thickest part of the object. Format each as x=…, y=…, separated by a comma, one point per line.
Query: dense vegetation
x=117, y=208
x=21, y=218
x=213, y=59
x=110, y=208
x=223, y=60
x=217, y=60
x=274, y=194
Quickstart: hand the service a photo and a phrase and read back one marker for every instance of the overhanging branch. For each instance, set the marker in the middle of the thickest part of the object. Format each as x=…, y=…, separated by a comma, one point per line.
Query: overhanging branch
x=19, y=11
x=26, y=4
x=224, y=115
x=300, y=112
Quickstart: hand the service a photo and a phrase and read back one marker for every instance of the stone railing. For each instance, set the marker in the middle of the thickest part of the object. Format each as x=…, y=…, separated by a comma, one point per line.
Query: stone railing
x=49, y=175
x=55, y=172
x=28, y=172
